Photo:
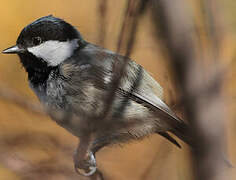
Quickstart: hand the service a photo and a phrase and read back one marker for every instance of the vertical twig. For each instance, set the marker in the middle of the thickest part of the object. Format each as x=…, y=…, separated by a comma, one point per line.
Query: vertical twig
x=130, y=23
x=213, y=24
x=200, y=89
x=102, y=9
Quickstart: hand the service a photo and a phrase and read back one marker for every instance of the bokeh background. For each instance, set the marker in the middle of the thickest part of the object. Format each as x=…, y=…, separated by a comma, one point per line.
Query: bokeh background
x=34, y=147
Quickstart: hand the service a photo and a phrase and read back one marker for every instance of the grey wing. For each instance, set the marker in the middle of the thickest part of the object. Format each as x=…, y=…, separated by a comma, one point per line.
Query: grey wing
x=150, y=93
x=145, y=88
x=92, y=76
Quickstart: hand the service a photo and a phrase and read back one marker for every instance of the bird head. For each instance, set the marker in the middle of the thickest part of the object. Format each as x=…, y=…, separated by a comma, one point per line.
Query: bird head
x=49, y=40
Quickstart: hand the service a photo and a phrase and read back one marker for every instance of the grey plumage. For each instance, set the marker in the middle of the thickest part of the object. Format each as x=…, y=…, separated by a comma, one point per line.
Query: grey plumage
x=81, y=84
x=73, y=80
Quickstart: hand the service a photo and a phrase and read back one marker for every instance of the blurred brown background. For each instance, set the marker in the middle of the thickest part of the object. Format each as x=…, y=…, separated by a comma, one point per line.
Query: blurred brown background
x=34, y=147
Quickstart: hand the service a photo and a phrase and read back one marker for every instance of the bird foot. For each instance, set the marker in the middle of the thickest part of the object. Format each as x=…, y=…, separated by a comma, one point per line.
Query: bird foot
x=85, y=165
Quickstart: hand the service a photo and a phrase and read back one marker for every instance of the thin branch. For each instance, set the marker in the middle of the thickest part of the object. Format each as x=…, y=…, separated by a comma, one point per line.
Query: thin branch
x=18, y=163
x=133, y=12
x=13, y=97
x=102, y=9
x=205, y=111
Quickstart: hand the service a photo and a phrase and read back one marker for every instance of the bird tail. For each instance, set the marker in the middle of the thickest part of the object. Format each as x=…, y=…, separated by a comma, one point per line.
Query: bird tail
x=182, y=131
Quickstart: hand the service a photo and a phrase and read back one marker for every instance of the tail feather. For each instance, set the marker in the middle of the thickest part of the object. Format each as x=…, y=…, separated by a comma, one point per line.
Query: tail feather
x=171, y=139
x=182, y=131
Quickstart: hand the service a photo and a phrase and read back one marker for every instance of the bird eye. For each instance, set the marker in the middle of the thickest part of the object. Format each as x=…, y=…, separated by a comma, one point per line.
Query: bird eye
x=37, y=41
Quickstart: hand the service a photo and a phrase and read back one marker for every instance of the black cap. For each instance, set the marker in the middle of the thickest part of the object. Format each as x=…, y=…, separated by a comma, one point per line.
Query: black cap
x=47, y=28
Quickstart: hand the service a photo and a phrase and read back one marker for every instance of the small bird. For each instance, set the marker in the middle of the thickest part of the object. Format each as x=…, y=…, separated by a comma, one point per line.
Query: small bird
x=73, y=79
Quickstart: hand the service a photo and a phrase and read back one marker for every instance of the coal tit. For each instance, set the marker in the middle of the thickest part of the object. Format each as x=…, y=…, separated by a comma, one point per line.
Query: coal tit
x=73, y=79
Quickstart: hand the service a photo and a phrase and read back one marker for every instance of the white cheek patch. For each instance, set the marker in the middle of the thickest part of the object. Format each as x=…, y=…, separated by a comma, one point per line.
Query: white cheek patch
x=54, y=52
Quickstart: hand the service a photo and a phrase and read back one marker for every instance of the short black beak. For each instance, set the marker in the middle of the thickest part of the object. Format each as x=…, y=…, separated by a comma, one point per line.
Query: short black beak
x=13, y=50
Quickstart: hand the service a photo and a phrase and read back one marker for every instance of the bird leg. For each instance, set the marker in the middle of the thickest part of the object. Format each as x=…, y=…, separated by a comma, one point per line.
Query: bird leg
x=84, y=158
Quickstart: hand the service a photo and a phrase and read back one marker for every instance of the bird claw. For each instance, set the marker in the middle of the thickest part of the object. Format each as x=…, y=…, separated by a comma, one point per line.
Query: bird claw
x=86, y=167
